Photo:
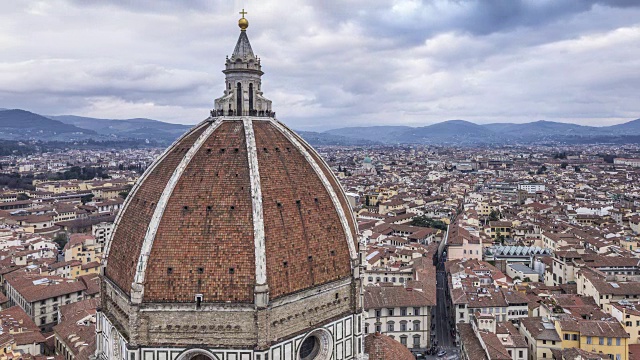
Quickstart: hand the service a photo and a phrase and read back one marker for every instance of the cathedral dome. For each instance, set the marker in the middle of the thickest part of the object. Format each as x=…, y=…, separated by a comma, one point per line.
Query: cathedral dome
x=238, y=242
x=233, y=203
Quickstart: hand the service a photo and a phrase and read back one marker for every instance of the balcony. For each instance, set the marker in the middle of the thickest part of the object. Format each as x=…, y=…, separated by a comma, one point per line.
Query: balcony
x=256, y=113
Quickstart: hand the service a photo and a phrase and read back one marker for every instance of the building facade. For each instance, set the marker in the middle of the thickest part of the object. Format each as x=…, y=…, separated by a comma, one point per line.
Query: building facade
x=404, y=314
x=532, y=188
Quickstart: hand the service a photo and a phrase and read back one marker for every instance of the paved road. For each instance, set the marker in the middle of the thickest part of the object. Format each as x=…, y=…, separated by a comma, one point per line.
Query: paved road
x=443, y=334
x=443, y=330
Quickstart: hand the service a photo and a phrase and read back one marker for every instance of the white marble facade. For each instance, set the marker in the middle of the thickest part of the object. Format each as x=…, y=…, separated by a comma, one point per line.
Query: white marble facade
x=339, y=340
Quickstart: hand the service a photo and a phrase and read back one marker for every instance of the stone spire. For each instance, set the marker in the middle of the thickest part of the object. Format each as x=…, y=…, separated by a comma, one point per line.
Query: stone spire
x=243, y=81
x=243, y=48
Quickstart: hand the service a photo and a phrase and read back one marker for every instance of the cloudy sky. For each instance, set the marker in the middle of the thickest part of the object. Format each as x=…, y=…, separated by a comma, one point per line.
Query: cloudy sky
x=328, y=63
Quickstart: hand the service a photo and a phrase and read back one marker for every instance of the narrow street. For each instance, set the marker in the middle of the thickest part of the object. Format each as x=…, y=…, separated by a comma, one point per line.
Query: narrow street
x=443, y=332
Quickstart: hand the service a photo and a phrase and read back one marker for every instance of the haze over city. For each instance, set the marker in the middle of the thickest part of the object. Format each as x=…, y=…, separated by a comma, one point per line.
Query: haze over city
x=328, y=64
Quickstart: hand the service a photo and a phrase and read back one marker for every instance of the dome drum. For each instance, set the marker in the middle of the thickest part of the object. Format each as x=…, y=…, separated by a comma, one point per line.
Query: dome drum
x=228, y=325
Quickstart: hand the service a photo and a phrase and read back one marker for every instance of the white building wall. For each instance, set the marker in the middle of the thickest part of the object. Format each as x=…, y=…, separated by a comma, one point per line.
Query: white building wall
x=374, y=323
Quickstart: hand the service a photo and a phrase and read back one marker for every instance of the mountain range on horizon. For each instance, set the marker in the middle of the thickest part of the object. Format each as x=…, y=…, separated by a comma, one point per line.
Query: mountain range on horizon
x=17, y=124
x=463, y=132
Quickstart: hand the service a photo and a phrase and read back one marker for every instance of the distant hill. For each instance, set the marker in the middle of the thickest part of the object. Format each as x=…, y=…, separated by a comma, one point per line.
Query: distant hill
x=24, y=125
x=628, y=128
x=544, y=128
x=315, y=139
x=109, y=125
x=498, y=127
x=466, y=133
x=452, y=131
x=19, y=124
x=128, y=128
x=167, y=132
x=372, y=133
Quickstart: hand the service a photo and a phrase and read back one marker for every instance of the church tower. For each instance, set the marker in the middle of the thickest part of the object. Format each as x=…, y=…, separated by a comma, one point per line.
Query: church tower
x=237, y=243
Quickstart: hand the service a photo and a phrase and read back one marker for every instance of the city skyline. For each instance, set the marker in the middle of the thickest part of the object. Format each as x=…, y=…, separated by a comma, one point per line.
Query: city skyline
x=434, y=61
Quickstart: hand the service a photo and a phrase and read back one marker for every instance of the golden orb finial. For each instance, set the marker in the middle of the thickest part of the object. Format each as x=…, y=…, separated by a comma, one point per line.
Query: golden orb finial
x=243, y=23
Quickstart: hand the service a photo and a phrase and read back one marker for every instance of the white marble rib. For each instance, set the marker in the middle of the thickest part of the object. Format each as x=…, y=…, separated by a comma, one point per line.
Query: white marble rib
x=256, y=202
x=162, y=204
x=334, y=197
x=137, y=185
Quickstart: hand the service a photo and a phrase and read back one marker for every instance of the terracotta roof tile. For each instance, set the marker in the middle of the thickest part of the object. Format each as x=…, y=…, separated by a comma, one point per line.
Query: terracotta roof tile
x=130, y=231
x=382, y=347
x=394, y=296
x=204, y=243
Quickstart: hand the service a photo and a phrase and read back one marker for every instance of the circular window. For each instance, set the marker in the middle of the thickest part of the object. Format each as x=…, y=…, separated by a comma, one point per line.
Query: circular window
x=201, y=357
x=316, y=346
x=196, y=354
x=309, y=348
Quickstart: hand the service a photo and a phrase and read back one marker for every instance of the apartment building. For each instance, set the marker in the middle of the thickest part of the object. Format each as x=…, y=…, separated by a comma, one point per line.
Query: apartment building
x=605, y=289
x=402, y=313
x=40, y=296
x=486, y=338
x=597, y=336
x=541, y=337
x=627, y=312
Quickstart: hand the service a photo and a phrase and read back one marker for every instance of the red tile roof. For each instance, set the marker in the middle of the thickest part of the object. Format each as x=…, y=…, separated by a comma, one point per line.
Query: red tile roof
x=382, y=347
x=208, y=220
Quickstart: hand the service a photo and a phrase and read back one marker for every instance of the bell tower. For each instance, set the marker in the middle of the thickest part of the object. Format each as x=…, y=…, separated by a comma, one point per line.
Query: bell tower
x=243, y=81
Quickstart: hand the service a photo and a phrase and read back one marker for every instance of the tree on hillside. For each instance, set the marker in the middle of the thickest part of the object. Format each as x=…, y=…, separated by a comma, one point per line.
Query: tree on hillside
x=608, y=158
x=61, y=239
x=87, y=198
x=425, y=221
x=125, y=193
x=494, y=215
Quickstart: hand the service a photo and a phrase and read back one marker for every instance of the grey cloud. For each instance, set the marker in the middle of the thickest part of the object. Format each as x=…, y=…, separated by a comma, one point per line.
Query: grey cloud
x=328, y=63
x=427, y=18
x=159, y=6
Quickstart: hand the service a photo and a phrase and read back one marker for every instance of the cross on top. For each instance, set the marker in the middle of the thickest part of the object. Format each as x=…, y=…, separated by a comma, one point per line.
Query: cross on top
x=243, y=13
